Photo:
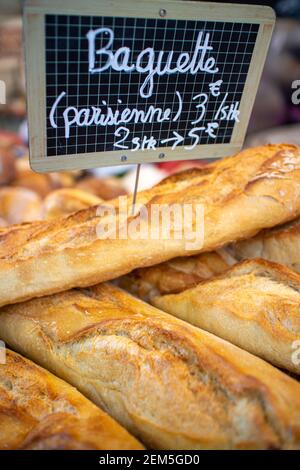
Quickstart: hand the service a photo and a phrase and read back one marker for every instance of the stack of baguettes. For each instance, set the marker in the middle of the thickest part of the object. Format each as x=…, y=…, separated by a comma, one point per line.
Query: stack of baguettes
x=170, y=384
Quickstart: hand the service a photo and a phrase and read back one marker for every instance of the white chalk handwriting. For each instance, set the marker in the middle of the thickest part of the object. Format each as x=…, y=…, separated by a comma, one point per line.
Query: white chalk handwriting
x=149, y=62
x=105, y=116
x=207, y=109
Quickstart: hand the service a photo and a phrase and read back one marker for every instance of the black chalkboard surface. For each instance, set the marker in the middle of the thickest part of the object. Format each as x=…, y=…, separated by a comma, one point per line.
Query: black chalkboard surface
x=67, y=71
x=141, y=88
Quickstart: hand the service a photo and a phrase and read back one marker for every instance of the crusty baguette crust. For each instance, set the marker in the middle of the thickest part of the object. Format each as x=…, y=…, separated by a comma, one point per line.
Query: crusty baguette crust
x=171, y=384
x=104, y=188
x=280, y=244
x=175, y=275
x=65, y=201
x=39, y=411
x=19, y=205
x=254, y=305
x=241, y=195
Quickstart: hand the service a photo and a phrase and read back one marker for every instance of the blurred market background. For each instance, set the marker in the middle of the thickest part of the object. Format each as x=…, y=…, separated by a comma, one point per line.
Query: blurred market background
x=23, y=193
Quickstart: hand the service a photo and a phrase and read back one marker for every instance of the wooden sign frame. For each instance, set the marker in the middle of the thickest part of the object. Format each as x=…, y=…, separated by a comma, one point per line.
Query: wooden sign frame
x=34, y=14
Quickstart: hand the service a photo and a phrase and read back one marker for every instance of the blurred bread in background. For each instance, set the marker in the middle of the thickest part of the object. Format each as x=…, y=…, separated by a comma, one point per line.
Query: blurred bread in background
x=41, y=183
x=63, y=202
x=106, y=188
x=27, y=196
x=7, y=166
x=19, y=205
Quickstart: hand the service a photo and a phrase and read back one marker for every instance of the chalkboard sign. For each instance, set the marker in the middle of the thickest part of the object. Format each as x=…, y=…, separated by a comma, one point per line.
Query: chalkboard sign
x=130, y=81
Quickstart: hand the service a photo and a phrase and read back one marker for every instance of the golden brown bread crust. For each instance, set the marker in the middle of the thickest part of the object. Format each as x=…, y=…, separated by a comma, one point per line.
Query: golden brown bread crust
x=280, y=244
x=39, y=183
x=19, y=205
x=65, y=201
x=241, y=195
x=7, y=165
x=40, y=411
x=254, y=305
x=171, y=384
x=42, y=184
x=176, y=275
x=104, y=188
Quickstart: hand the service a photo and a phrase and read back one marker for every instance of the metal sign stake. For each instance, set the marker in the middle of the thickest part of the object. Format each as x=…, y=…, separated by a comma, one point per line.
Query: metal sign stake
x=138, y=167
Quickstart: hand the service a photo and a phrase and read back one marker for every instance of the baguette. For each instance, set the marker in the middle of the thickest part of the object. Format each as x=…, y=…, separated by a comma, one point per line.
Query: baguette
x=176, y=275
x=280, y=244
x=254, y=305
x=104, y=188
x=19, y=205
x=62, y=202
x=42, y=184
x=39, y=183
x=241, y=195
x=39, y=411
x=170, y=384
